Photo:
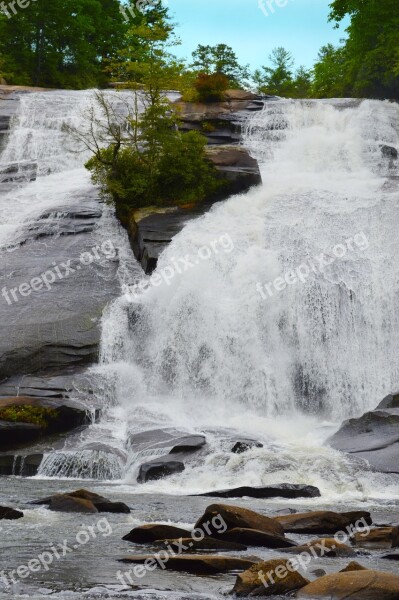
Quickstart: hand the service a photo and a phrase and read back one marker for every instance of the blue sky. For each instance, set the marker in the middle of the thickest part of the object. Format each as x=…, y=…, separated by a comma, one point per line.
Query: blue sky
x=301, y=26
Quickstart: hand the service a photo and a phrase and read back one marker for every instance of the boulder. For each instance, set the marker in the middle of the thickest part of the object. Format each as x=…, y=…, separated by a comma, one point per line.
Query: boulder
x=253, y=537
x=373, y=437
x=269, y=578
x=197, y=564
x=321, y=521
x=356, y=585
x=283, y=490
x=235, y=516
x=154, y=532
x=353, y=566
x=243, y=445
x=323, y=547
x=84, y=498
x=379, y=538
x=391, y=556
x=10, y=513
x=207, y=543
x=63, y=503
x=159, y=468
x=389, y=151
x=390, y=401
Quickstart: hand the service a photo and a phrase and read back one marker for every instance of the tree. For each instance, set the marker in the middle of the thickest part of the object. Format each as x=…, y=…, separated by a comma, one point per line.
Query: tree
x=277, y=79
x=330, y=79
x=62, y=43
x=302, y=83
x=222, y=60
x=371, y=52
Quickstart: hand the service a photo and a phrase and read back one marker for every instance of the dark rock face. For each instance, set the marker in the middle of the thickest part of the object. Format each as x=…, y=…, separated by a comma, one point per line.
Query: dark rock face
x=254, y=537
x=151, y=532
x=243, y=445
x=389, y=151
x=195, y=564
x=53, y=330
x=390, y=401
x=284, y=490
x=177, y=445
x=10, y=513
x=321, y=521
x=373, y=437
x=67, y=415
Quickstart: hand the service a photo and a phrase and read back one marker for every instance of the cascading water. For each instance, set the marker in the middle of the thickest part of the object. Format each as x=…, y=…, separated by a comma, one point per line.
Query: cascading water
x=220, y=349
x=214, y=351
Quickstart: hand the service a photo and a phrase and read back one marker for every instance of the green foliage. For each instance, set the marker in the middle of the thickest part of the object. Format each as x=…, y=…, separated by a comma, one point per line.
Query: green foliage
x=279, y=79
x=211, y=88
x=329, y=73
x=368, y=63
x=61, y=43
x=37, y=415
x=220, y=59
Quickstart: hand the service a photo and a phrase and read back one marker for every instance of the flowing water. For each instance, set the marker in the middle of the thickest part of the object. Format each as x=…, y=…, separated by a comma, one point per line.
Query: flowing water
x=284, y=324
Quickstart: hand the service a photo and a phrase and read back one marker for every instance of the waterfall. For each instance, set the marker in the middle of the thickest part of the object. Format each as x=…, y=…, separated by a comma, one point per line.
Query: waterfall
x=283, y=320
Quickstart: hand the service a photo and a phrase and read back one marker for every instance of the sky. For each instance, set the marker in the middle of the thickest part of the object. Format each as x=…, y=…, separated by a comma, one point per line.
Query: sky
x=301, y=26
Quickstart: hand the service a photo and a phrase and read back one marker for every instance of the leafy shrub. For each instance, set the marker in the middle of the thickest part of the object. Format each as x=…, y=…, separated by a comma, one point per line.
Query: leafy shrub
x=36, y=415
x=211, y=88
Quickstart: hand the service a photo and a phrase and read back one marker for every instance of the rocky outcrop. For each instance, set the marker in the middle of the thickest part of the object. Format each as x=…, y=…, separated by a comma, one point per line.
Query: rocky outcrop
x=269, y=578
x=177, y=447
x=10, y=514
x=373, y=437
x=283, y=490
x=151, y=532
x=82, y=501
x=358, y=585
x=235, y=516
x=197, y=564
x=322, y=522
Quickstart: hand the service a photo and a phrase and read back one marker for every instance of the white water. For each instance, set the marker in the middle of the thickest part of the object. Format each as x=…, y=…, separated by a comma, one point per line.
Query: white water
x=208, y=353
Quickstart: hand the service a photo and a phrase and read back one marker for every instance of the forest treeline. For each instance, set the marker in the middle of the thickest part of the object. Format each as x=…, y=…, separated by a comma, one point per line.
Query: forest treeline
x=77, y=44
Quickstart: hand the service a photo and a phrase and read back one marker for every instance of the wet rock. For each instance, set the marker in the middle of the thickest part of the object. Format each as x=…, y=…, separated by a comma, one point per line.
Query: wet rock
x=63, y=503
x=373, y=437
x=154, y=532
x=196, y=564
x=391, y=556
x=382, y=537
x=18, y=172
x=243, y=445
x=10, y=514
x=207, y=543
x=283, y=490
x=235, y=516
x=161, y=467
x=253, y=537
x=358, y=585
x=269, y=578
x=322, y=521
x=61, y=416
x=390, y=401
x=323, y=547
x=389, y=151
x=353, y=566
x=72, y=499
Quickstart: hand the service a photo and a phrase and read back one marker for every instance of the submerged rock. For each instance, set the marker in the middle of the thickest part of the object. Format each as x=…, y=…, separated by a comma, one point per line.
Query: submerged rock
x=323, y=547
x=82, y=501
x=197, y=564
x=189, y=544
x=154, y=532
x=357, y=585
x=269, y=578
x=243, y=445
x=322, y=521
x=283, y=490
x=254, y=537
